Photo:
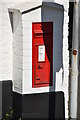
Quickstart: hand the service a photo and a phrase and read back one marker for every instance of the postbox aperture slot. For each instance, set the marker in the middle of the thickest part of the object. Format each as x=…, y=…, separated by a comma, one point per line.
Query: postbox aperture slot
x=40, y=33
x=38, y=78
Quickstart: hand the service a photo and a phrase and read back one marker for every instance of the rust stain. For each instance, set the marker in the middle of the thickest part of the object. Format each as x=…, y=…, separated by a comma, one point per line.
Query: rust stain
x=74, y=52
x=76, y=2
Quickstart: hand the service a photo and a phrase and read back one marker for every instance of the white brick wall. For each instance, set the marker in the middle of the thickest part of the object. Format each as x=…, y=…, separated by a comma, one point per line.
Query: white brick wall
x=34, y=16
x=16, y=62
x=5, y=44
x=17, y=51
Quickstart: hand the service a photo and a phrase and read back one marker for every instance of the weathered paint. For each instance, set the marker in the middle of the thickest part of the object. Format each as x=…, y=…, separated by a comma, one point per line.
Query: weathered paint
x=74, y=52
x=75, y=56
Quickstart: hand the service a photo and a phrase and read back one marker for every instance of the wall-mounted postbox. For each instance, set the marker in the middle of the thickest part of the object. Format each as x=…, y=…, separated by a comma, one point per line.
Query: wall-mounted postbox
x=42, y=54
x=36, y=27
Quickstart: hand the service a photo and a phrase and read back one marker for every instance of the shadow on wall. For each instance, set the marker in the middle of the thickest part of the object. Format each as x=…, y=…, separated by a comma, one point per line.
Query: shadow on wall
x=46, y=105
x=56, y=107
x=47, y=29
x=49, y=13
x=57, y=16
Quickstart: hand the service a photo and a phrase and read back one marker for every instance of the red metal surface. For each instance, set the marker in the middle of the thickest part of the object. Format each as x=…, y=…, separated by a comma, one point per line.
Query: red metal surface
x=42, y=71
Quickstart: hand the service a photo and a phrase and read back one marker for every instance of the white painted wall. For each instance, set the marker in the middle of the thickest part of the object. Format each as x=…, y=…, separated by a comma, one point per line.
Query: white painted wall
x=33, y=16
x=62, y=77
x=17, y=51
x=5, y=44
x=13, y=67
x=64, y=83
x=42, y=14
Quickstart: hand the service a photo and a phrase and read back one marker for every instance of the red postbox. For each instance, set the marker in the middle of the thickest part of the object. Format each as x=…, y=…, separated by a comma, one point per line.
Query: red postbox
x=42, y=54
